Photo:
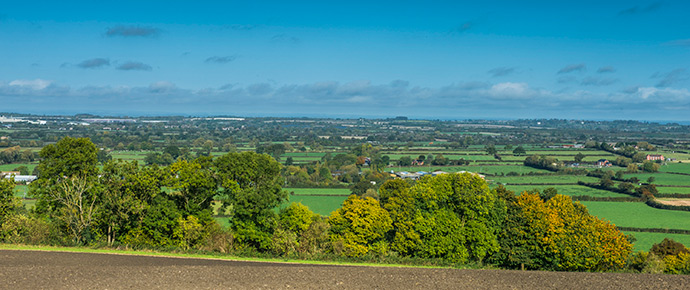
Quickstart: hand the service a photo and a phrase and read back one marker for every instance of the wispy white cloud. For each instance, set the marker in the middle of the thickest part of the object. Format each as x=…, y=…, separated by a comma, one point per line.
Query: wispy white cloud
x=328, y=97
x=36, y=84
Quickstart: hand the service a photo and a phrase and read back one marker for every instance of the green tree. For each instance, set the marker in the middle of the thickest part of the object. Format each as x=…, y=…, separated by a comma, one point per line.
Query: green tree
x=67, y=190
x=649, y=166
x=193, y=187
x=449, y=216
x=361, y=187
x=490, y=149
x=103, y=156
x=579, y=157
x=397, y=199
x=23, y=170
x=251, y=187
x=405, y=161
x=77, y=197
x=359, y=226
x=559, y=234
x=128, y=190
x=67, y=158
x=173, y=150
x=8, y=203
x=519, y=151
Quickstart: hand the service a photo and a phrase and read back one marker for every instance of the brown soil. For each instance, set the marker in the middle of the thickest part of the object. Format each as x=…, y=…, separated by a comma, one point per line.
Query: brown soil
x=59, y=270
x=675, y=202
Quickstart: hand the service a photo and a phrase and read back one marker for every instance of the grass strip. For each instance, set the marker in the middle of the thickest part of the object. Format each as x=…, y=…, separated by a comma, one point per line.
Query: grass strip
x=222, y=257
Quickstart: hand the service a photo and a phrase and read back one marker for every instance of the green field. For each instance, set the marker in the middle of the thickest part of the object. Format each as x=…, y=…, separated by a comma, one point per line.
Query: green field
x=681, y=190
x=12, y=166
x=570, y=190
x=645, y=241
x=536, y=179
x=639, y=215
x=676, y=167
x=322, y=205
x=483, y=169
x=319, y=191
x=663, y=178
x=505, y=169
x=21, y=190
x=316, y=155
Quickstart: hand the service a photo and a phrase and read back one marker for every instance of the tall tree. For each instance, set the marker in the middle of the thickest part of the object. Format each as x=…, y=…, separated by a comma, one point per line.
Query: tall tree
x=127, y=192
x=359, y=226
x=251, y=186
x=67, y=189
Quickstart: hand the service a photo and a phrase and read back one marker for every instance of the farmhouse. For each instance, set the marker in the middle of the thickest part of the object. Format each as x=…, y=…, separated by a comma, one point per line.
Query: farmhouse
x=655, y=157
x=603, y=163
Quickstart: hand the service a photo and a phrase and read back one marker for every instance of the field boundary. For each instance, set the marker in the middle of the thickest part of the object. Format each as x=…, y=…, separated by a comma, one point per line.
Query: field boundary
x=654, y=230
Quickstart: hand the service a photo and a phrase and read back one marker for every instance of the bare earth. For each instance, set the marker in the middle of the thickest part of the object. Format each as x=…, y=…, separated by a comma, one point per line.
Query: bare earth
x=59, y=270
x=675, y=201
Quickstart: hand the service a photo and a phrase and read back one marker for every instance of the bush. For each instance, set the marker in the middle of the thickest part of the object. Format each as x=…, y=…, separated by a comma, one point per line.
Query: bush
x=20, y=229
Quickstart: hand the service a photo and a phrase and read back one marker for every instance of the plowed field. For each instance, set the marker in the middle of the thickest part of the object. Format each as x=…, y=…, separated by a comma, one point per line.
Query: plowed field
x=60, y=270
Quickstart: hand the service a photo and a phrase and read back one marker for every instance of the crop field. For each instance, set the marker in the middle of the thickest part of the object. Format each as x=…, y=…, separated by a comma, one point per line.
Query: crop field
x=319, y=191
x=639, y=215
x=570, y=190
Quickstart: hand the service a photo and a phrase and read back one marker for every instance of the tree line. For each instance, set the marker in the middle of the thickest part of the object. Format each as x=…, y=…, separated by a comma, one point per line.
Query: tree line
x=447, y=219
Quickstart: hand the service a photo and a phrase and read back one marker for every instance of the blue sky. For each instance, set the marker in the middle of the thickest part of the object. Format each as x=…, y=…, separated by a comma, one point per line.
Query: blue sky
x=423, y=59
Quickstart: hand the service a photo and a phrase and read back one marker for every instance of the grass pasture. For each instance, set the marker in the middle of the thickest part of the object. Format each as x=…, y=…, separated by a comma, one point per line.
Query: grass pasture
x=676, y=167
x=319, y=191
x=570, y=190
x=663, y=178
x=12, y=166
x=645, y=241
x=130, y=155
x=322, y=205
x=542, y=179
x=681, y=190
x=483, y=169
x=639, y=215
